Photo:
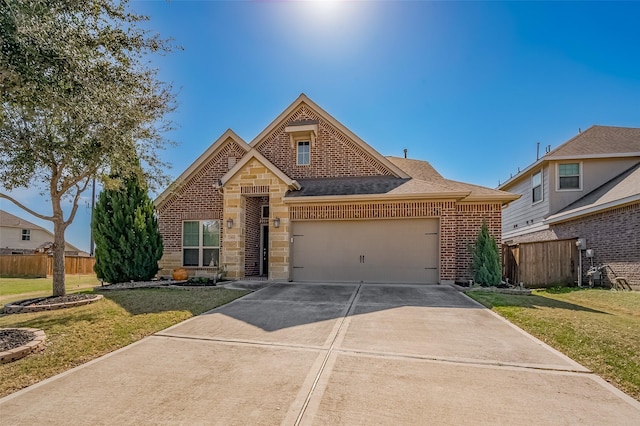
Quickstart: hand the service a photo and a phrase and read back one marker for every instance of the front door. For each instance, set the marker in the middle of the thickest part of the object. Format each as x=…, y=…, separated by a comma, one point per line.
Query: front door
x=264, y=251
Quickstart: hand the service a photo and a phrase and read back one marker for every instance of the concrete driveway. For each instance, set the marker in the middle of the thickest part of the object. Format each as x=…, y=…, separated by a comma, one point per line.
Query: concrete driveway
x=331, y=354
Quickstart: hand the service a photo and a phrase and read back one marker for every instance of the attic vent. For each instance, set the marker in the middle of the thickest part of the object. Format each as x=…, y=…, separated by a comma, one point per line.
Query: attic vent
x=232, y=161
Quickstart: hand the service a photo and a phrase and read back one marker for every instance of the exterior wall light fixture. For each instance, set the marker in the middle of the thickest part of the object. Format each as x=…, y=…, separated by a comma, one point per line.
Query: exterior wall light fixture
x=276, y=222
x=230, y=223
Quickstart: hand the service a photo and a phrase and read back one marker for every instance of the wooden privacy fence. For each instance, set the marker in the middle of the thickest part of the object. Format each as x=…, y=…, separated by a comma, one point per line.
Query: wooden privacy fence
x=541, y=264
x=40, y=265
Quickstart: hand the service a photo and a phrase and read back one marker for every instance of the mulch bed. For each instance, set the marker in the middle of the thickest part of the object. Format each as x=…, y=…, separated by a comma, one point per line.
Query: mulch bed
x=50, y=303
x=12, y=338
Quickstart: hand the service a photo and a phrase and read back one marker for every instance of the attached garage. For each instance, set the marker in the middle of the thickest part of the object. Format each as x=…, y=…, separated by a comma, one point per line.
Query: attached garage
x=384, y=250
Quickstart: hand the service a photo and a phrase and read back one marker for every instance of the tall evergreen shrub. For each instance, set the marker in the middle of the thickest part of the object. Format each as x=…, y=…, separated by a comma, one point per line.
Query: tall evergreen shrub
x=125, y=230
x=486, y=259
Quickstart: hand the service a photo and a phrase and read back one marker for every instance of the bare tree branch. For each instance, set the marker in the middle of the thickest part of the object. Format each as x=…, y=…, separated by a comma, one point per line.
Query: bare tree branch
x=25, y=208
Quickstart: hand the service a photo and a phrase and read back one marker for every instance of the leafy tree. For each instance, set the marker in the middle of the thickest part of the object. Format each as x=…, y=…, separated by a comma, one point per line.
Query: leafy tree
x=77, y=99
x=128, y=242
x=486, y=258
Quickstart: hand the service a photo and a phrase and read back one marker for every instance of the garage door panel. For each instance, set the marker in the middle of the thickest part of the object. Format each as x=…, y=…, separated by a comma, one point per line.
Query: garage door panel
x=371, y=251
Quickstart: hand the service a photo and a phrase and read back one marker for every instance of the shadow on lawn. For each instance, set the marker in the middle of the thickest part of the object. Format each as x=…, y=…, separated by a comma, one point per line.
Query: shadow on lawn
x=148, y=301
x=49, y=320
x=491, y=300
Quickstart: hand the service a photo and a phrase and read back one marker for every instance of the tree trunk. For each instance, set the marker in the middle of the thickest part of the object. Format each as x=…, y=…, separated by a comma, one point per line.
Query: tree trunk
x=58, y=258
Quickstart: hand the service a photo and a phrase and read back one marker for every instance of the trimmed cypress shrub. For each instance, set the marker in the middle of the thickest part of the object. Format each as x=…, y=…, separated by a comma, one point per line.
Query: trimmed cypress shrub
x=486, y=259
x=125, y=230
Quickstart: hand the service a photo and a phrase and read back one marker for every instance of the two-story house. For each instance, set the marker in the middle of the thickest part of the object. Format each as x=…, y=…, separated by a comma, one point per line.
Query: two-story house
x=588, y=188
x=19, y=236
x=308, y=200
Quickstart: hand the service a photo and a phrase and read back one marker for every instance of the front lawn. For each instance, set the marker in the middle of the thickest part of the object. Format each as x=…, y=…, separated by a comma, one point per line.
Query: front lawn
x=77, y=335
x=600, y=329
x=12, y=289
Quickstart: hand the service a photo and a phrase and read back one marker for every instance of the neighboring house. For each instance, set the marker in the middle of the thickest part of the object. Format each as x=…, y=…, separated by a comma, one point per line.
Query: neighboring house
x=18, y=236
x=588, y=187
x=308, y=200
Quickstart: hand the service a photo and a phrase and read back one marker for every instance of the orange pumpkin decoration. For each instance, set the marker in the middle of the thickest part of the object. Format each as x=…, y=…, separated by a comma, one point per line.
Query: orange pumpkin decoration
x=180, y=274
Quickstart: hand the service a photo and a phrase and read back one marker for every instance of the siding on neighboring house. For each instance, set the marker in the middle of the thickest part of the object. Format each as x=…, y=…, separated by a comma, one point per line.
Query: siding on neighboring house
x=522, y=213
x=594, y=173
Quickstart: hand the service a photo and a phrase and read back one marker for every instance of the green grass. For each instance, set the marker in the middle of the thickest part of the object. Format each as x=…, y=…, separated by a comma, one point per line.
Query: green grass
x=12, y=289
x=78, y=335
x=600, y=329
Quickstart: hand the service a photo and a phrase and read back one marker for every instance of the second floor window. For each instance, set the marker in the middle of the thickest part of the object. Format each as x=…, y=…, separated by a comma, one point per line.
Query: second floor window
x=26, y=235
x=536, y=187
x=569, y=176
x=304, y=153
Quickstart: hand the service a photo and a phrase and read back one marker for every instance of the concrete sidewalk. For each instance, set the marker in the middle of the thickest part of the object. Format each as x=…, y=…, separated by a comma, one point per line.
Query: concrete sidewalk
x=331, y=354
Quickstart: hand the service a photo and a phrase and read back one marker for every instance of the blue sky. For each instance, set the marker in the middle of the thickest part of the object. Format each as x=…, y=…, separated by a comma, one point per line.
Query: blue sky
x=468, y=86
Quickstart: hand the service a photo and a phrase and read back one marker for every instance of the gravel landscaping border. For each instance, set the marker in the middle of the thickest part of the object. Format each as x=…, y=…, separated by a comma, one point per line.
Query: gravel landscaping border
x=20, y=352
x=36, y=305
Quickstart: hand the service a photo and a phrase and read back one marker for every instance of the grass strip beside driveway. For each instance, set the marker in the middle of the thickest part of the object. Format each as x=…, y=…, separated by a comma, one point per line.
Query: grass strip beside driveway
x=600, y=329
x=78, y=335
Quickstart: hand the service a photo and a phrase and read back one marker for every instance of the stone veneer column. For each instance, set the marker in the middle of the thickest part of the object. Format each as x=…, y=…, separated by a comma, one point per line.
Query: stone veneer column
x=233, y=251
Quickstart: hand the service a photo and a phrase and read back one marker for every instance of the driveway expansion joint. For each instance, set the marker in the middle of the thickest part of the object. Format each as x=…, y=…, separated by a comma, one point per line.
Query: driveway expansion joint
x=241, y=342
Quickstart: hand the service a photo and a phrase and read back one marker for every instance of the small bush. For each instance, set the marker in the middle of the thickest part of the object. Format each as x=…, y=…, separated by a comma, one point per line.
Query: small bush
x=486, y=259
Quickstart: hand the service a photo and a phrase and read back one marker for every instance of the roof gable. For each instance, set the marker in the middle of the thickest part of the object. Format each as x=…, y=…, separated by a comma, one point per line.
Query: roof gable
x=197, y=166
x=303, y=111
x=254, y=154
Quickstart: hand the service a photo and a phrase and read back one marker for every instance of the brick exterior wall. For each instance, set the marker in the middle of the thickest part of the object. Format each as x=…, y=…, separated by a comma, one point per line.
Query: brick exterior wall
x=614, y=235
x=469, y=217
x=253, y=233
x=196, y=199
x=332, y=154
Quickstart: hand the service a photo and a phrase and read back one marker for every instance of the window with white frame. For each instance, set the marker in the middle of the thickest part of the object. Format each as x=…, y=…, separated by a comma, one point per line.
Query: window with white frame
x=569, y=176
x=304, y=153
x=26, y=235
x=201, y=243
x=536, y=187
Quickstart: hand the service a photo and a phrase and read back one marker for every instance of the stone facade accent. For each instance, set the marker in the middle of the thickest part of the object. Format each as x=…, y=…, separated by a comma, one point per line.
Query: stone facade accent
x=614, y=236
x=235, y=207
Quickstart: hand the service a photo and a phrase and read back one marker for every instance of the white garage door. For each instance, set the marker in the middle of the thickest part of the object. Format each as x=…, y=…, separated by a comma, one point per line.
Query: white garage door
x=392, y=250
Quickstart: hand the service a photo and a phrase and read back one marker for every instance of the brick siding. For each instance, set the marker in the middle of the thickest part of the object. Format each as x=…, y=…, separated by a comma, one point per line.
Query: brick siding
x=614, y=236
x=332, y=154
x=198, y=198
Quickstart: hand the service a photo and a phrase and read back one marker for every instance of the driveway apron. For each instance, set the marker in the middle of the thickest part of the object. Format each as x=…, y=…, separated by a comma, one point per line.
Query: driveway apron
x=343, y=354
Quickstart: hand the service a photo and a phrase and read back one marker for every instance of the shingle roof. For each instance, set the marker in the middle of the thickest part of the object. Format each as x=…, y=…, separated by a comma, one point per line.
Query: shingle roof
x=422, y=170
x=8, y=220
x=416, y=168
x=600, y=140
x=620, y=190
x=347, y=186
